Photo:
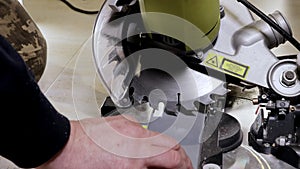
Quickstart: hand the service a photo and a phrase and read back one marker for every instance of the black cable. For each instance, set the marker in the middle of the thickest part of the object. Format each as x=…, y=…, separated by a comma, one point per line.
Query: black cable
x=78, y=9
x=264, y=17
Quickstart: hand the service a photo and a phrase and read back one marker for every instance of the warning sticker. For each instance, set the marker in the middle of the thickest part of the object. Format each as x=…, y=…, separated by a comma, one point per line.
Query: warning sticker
x=213, y=61
x=235, y=68
x=226, y=65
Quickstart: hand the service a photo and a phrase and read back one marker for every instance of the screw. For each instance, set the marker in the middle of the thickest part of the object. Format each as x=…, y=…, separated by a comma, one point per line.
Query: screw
x=292, y=108
x=266, y=144
x=263, y=96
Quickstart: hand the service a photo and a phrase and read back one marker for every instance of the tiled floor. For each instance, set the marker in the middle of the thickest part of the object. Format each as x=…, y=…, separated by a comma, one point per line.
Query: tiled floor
x=67, y=33
x=70, y=80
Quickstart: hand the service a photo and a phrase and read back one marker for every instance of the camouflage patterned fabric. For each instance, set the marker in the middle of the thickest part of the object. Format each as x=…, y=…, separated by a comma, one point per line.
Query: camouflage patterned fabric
x=23, y=34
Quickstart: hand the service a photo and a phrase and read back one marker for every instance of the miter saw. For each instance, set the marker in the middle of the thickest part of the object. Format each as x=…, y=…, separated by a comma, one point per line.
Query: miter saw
x=170, y=63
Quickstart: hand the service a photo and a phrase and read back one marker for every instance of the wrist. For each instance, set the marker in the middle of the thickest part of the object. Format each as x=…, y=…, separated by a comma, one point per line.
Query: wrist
x=58, y=159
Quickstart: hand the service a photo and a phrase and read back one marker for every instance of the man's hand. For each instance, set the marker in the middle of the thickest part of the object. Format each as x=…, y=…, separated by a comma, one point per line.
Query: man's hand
x=117, y=143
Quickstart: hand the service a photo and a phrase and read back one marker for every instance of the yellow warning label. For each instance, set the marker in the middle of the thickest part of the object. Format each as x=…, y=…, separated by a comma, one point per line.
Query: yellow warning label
x=225, y=65
x=213, y=60
x=233, y=67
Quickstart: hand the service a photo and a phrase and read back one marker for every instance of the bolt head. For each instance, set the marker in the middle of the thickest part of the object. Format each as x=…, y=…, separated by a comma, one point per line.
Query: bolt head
x=289, y=78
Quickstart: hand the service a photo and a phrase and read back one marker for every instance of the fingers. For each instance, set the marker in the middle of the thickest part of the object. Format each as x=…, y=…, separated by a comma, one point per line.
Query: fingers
x=175, y=156
x=147, y=143
x=160, y=139
x=128, y=139
x=171, y=159
x=187, y=163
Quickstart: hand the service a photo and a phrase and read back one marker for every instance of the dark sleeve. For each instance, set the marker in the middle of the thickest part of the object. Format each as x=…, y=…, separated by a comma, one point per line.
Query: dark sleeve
x=31, y=130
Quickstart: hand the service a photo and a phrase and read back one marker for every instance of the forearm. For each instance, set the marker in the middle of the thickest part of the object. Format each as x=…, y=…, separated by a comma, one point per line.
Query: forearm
x=32, y=130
